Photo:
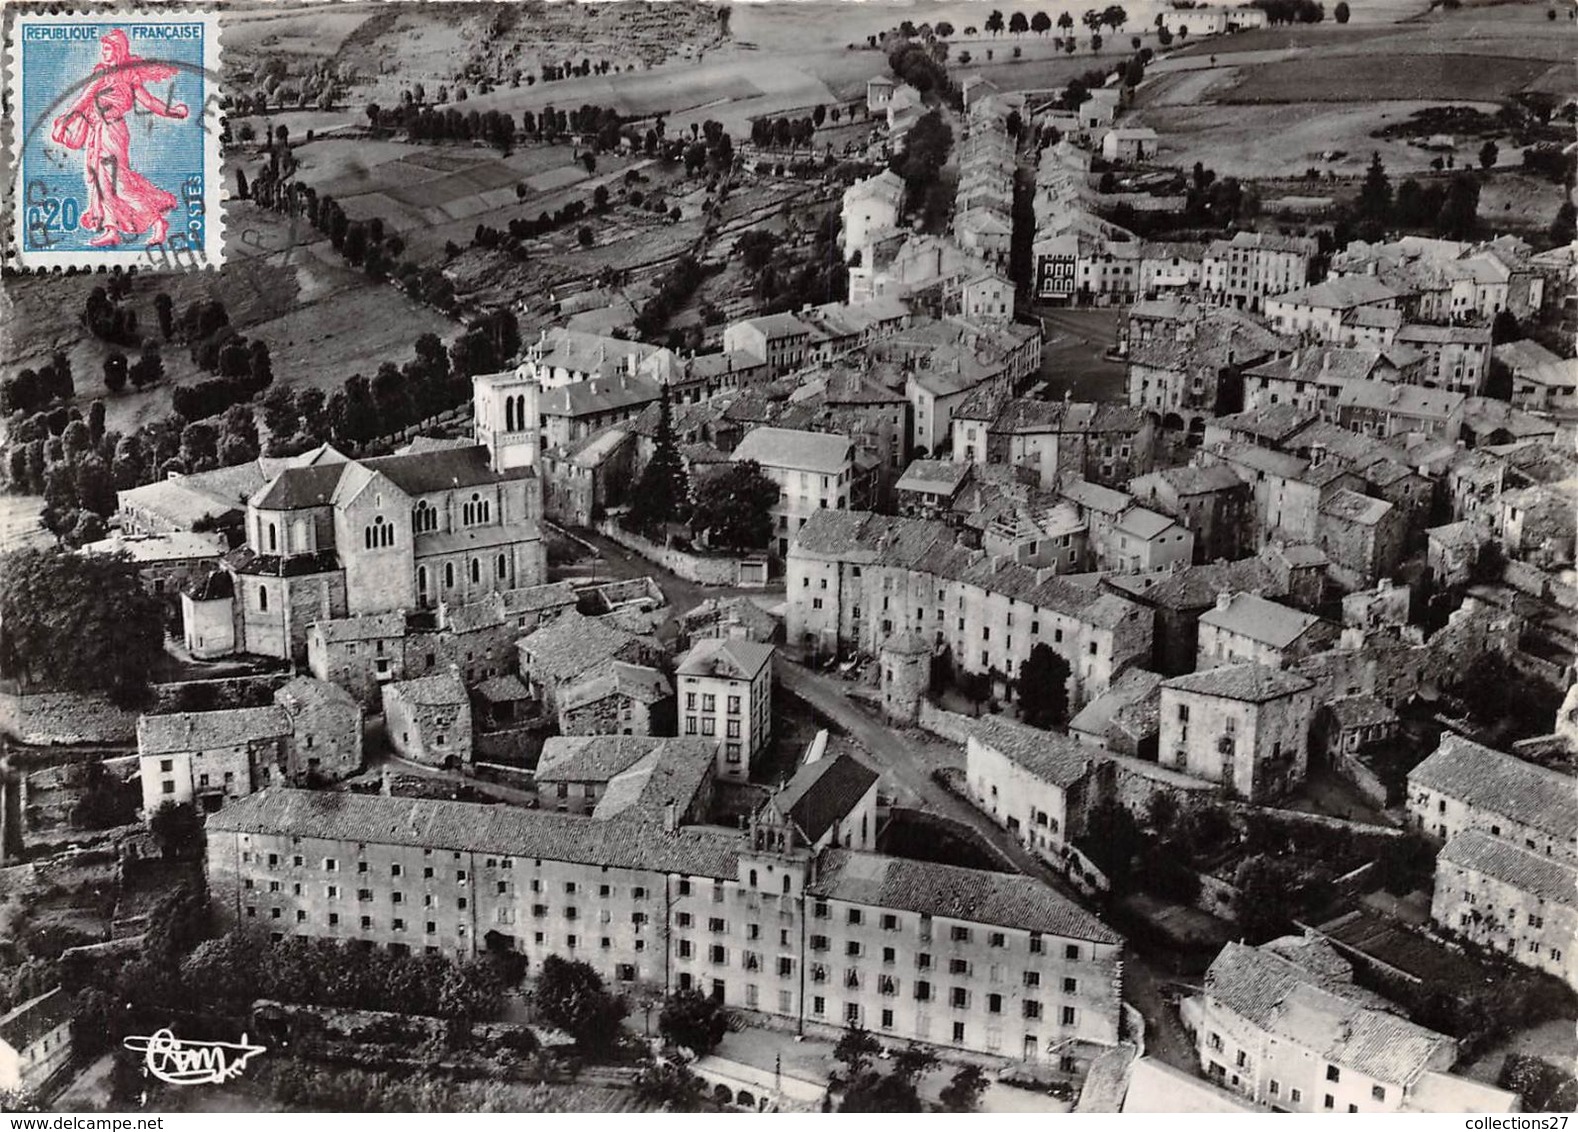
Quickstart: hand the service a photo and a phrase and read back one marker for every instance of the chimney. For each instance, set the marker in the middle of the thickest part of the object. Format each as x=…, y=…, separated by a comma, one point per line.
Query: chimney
x=1223, y=599
x=670, y=816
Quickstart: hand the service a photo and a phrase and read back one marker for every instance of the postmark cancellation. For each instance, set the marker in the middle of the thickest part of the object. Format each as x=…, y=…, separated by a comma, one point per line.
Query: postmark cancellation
x=115, y=139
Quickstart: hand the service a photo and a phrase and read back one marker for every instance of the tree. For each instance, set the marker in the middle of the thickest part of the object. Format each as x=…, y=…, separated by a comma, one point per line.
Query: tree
x=1018, y=24
x=1268, y=889
x=1095, y=42
x=1375, y=195
x=963, y=1092
x=1564, y=229
x=664, y=490
x=115, y=371
x=693, y=1021
x=1114, y=17
x=1504, y=328
x=943, y=29
x=78, y=622
x=734, y=507
x=994, y=22
x=1065, y=21
x=1488, y=154
x=1040, y=23
x=177, y=829
x=1341, y=11
x=1460, y=213
x=671, y=1086
x=1043, y=688
x=570, y=995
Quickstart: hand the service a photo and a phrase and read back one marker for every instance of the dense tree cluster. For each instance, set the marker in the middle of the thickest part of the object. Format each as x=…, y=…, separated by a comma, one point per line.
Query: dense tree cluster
x=734, y=507
x=678, y=285
x=77, y=622
x=1450, y=210
x=1291, y=11
x=919, y=162
x=570, y=995
x=31, y=390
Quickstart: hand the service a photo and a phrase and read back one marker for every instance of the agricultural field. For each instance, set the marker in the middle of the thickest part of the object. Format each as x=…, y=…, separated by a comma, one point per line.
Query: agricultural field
x=1274, y=102
x=282, y=283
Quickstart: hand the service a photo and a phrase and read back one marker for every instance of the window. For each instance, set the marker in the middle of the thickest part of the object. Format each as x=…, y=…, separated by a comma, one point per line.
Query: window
x=1333, y=1073
x=1069, y=1016
x=1330, y=1103
x=960, y=934
x=1071, y=951
x=1032, y=1008
x=1295, y=1095
x=1378, y=1092
x=959, y=998
x=996, y=939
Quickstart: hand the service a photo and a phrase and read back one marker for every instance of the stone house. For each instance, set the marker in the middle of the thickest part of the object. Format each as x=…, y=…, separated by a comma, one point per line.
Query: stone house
x=428, y=720
x=325, y=742
x=1452, y=550
x=1364, y=538
x=831, y=802
x=209, y=757
x=617, y=699
x=1246, y=626
x=1346, y=726
x=1038, y=785
x=1243, y=726
x=1464, y=785
x=565, y=650
x=1211, y=501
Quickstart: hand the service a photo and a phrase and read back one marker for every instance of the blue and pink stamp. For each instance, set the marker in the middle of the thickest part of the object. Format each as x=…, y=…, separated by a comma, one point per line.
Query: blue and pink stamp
x=116, y=140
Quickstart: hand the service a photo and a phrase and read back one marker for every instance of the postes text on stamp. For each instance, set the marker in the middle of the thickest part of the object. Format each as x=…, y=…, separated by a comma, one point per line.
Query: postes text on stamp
x=116, y=140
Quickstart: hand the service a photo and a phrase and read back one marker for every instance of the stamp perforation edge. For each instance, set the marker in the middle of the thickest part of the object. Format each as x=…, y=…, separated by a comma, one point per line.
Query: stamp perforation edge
x=17, y=257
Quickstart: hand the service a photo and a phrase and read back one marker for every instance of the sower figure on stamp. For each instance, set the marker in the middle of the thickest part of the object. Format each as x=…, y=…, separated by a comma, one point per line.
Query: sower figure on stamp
x=121, y=202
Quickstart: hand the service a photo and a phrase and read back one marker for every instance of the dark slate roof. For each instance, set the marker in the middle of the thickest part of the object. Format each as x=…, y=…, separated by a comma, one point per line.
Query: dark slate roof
x=207, y=730
x=297, y=488
x=570, y=644
x=424, y=472
x=625, y=843
x=591, y=758
x=822, y=792
x=35, y=1018
x=994, y=899
x=1195, y=587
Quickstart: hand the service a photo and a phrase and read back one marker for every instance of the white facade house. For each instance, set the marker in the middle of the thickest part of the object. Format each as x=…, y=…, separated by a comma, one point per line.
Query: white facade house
x=814, y=472
x=725, y=689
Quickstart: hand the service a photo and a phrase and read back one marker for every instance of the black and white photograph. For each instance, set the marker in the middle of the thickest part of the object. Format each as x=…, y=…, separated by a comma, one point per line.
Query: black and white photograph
x=788, y=556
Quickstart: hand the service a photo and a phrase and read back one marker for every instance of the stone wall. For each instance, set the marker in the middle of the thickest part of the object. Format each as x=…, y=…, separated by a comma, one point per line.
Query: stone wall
x=1362, y=778
x=49, y=718
x=704, y=570
x=512, y=746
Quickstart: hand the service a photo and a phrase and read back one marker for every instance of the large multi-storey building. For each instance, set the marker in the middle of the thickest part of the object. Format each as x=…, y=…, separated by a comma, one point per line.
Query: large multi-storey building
x=1243, y=271
x=1510, y=899
x=814, y=472
x=1466, y=786
x=855, y=579
x=975, y=961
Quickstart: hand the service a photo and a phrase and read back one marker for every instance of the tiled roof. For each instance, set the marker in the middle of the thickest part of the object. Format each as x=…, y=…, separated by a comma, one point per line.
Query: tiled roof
x=441, y=689
x=1522, y=355
x=1267, y=622
x=362, y=627
x=580, y=352
x=626, y=843
x=730, y=657
x=1261, y=459
x=1094, y=497
x=1195, y=587
x=635, y=681
x=1143, y=523
x=33, y=1019
x=1513, y=865
x=1191, y=479
x=674, y=772
x=502, y=689
x=1252, y=683
x=822, y=792
x=531, y=599
x=1441, y=335
x=1404, y=400
x=729, y=611
x=1136, y=686
x=591, y=758
x=1325, y=1015
x=303, y=691
x=599, y=395
x=176, y=501
x=206, y=730
x=1274, y=423
x=933, y=476
x=1360, y=711
x=1356, y=508
x=1486, y=779
x=177, y=546
x=570, y=644
x=1049, y=755
x=1341, y=293
x=428, y=472
x=791, y=448
x=972, y=895
x=777, y=325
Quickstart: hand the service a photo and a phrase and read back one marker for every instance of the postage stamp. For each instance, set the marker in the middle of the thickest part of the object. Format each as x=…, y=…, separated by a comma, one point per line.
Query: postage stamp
x=115, y=140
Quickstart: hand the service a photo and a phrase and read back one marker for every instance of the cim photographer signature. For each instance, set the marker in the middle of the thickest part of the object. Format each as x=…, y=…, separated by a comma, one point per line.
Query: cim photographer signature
x=178, y=1062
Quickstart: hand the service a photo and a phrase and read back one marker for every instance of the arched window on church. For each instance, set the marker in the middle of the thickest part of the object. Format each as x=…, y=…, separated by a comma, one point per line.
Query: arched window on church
x=520, y=413
x=263, y=598
x=273, y=538
x=476, y=570
x=449, y=575
x=421, y=584
x=424, y=517
x=501, y=567
x=379, y=533
x=509, y=414
x=476, y=510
